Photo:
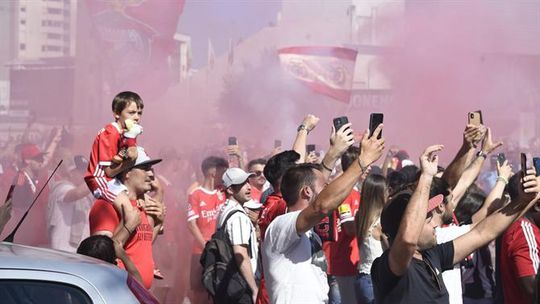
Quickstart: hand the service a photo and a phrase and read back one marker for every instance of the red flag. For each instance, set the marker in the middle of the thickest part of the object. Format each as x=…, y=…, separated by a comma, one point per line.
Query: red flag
x=327, y=70
x=136, y=39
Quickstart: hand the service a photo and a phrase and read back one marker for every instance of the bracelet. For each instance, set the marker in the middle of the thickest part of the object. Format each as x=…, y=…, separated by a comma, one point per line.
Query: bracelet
x=502, y=179
x=325, y=167
x=127, y=229
x=361, y=167
x=481, y=154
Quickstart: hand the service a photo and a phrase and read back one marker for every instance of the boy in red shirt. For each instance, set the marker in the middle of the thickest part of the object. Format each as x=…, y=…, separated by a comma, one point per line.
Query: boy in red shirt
x=113, y=151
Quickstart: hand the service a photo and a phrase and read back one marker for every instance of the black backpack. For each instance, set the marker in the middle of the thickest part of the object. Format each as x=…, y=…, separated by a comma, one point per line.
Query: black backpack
x=221, y=276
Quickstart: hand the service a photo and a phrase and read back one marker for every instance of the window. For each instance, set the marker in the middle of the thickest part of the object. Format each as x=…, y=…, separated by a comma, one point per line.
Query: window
x=51, y=23
x=22, y=46
x=54, y=11
x=23, y=9
x=54, y=36
x=33, y=291
x=23, y=21
x=52, y=48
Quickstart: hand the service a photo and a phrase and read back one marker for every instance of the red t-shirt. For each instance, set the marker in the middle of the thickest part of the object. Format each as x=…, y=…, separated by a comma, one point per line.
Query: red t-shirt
x=204, y=207
x=274, y=207
x=105, y=146
x=343, y=254
x=256, y=194
x=103, y=217
x=519, y=258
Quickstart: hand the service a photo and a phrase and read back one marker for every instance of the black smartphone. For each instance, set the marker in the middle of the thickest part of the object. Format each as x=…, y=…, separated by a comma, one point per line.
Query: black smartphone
x=475, y=118
x=10, y=193
x=375, y=119
x=277, y=143
x=501, y=158
x=340, y=122
x=523, y=164
x=233, y=141
x=310, y=148
x=536, y=163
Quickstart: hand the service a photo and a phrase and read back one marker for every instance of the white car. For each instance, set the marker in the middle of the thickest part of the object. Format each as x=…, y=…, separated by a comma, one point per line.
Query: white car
x=39, y=275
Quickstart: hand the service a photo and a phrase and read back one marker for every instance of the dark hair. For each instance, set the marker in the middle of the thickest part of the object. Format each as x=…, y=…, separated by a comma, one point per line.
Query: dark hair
x=513, y=186
x=393, y=213
x=469, y=204
x=439, y=186
x=410, y=173
x=373, y=201
x=213, y=162
x=99, y=247
x=349, y=157
x=278, y=164
x=375, y=170
x=395, y=180
x=124, y=99
x=295, y=178
x=257, y=161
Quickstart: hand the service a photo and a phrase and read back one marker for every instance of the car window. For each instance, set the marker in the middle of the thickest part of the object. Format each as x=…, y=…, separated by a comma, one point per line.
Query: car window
x=34, y=291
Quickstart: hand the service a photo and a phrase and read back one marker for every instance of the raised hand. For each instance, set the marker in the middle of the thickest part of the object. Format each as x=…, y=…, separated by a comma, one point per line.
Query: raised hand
x=371, y=148
x=472, y=135
x=342, y=139
x=429, y=160
x=504, y=170
x=487, y=143
x=310, y=121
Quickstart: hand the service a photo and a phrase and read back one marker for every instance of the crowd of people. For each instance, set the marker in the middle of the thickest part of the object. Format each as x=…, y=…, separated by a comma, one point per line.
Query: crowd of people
x=360, y=223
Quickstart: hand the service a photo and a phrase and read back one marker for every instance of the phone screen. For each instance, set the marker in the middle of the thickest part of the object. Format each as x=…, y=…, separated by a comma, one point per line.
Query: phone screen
x=501, y=158
x=375, y=119
x=310, y=148
x=536, y=162
x=232, y=141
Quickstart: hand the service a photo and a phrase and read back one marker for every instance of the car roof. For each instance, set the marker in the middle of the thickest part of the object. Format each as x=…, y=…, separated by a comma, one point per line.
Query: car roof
x=97, y=272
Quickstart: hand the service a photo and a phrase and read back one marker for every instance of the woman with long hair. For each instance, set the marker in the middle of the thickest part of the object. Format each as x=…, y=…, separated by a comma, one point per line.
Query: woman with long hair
x=371, y=241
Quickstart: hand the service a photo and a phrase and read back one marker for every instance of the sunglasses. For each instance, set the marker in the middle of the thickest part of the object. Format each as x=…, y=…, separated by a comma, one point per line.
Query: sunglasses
x=257, y=173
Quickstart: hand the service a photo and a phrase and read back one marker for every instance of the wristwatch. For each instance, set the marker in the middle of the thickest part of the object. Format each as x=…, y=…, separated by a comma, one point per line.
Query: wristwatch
x=302, y=127
x=481, y=154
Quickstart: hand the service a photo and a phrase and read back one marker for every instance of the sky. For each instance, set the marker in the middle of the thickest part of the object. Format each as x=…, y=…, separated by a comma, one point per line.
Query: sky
x=221, y=20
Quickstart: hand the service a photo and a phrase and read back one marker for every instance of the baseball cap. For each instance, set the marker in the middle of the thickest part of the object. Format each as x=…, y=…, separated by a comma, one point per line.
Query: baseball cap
x=30, y=151
x=235, y=176
x=393, y=212
x=142, y=160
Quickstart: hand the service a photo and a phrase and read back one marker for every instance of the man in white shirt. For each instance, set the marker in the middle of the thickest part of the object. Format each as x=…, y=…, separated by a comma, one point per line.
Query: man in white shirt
x=292, y=266
x=239, y=228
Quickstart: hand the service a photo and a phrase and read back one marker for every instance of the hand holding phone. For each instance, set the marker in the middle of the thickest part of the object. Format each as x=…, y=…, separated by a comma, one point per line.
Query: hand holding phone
x=501, y=158
x=375, y=119
x=340, y=122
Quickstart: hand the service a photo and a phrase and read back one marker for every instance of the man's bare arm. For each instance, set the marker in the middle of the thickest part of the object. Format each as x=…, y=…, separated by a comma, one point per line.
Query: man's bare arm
x=299, y=145
x=414, y=217
x=244, y=264
x=471, y=136
x=340, y=140
x=336, y=192
x=196, y=232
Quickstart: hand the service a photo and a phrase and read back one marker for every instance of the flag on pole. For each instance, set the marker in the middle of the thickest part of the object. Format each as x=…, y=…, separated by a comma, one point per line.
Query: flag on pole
x=211, y=55
x=326, y=70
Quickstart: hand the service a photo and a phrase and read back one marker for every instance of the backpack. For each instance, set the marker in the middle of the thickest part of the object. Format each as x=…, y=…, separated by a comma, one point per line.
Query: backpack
x=221, y=276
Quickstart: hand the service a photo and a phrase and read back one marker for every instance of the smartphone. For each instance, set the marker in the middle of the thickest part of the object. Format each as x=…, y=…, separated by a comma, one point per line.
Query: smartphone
x=375, y=119
x=310, y=148
x=10, y=193
x=233, y=141
x=277, y=143
x=501, y=158
x=523, y=164
x=536, y=163
x=340, y=121
x=475, y=118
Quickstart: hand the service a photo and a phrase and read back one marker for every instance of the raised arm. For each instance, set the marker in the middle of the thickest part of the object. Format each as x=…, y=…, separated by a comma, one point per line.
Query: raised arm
x=471, y=136
x=406, y=241
x=332, y=195
x=493, y=225
x=309, y=123
x=494, y=199
x=473, y=170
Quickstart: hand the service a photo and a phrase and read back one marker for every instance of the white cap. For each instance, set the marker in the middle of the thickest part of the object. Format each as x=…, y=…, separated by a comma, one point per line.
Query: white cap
x=142, y=159
x=406, y=162
x=235, y=176
x=253, y=204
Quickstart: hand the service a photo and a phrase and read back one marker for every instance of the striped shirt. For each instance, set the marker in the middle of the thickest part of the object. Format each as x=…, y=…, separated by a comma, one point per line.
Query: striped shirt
x=240, y=230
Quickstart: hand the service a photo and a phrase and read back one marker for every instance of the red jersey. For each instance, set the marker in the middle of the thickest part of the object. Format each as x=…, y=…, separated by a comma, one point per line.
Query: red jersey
x=343, y=254
x=138, y=247
x=274, y=207
x=204, y=207
x=519, y=258
x=256, y=194
x=105, y=146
